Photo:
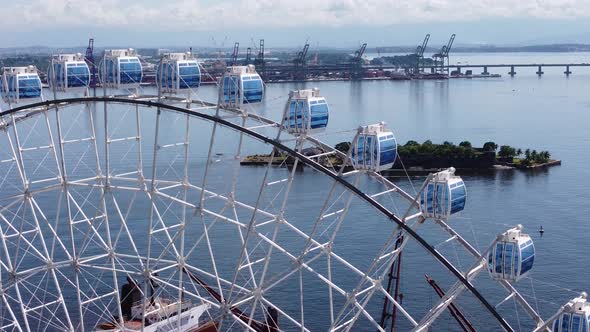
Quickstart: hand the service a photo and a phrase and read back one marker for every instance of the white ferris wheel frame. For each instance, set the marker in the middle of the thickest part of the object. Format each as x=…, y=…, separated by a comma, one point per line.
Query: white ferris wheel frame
x=407, y=223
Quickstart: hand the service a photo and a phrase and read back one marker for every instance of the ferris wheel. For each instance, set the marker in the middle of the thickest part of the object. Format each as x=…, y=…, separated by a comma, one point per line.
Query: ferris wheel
x=131, y=211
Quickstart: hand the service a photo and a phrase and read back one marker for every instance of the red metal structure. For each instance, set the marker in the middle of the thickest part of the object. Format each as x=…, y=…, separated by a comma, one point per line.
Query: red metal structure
x=455, y=312
x=394, y=274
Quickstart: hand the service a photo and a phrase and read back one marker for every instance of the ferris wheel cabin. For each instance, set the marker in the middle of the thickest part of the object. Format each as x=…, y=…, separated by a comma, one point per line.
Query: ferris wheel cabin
x=444, y=194
x=575, y=316
x=512, y=255
x=20, y=83
x=68, y=71
x=121, y=69
x=178, y=71
x=374, y=149
x=307, y=112
x=241, y=85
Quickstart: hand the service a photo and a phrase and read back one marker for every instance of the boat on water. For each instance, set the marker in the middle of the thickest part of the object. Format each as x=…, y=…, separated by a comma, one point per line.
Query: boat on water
x=159, y=314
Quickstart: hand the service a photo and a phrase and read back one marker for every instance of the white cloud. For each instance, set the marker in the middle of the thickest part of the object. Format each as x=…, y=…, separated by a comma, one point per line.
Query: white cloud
x=212, y=15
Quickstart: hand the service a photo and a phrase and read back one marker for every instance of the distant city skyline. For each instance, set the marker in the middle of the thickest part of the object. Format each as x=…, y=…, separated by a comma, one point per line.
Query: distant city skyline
x=285, y=23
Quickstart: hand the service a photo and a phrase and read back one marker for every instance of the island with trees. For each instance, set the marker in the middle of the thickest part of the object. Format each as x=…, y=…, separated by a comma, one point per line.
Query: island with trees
x=417, y=157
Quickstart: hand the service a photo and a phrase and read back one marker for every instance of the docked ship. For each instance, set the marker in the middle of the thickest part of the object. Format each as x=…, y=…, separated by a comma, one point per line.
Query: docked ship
x=159, y=314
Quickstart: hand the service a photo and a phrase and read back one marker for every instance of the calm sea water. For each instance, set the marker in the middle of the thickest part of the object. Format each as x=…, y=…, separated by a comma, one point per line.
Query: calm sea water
x=548, y=113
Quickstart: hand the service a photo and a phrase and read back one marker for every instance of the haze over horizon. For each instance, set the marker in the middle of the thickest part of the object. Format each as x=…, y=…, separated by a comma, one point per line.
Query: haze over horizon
x=284, y=23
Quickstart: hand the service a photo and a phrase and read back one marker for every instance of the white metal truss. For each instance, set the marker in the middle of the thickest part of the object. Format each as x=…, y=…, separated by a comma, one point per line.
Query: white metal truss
x=131, y=189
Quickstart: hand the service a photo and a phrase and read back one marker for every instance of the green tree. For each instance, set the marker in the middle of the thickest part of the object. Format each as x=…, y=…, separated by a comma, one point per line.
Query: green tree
x=412, y=143
x=490, y=146
x=534, y=155
x=465, y=144
x=527, y=154
x=427, y=147
x=507, y=151
x=519, y=152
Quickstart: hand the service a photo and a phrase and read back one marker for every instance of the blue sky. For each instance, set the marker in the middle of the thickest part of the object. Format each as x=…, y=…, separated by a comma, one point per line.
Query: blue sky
x=284, y=23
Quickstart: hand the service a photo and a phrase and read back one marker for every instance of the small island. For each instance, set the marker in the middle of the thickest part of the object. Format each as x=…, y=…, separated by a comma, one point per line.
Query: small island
x=428, y=157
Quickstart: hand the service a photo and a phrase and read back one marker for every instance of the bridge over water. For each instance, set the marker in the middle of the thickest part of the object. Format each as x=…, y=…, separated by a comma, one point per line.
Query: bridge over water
x=286, y=71
x=512, y=67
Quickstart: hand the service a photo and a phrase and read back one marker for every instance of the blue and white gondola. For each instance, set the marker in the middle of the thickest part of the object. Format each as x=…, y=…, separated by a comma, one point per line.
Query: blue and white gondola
x=121, y=69
x=374, y=148
x=178, y=71
x=68, y=71
x=241, y=85
x=307, y=112
x=512, y=255
x=444, y=194
x=575, y=316
x=19, y=83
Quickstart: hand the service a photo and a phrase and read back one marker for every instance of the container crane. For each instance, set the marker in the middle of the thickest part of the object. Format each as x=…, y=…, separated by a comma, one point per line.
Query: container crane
x=444, y=54
x=301, y=63
x=248, y=56
x=234, y=55
x=89, y=58
x=420, y=55
x=357, y=62
x=259, y=61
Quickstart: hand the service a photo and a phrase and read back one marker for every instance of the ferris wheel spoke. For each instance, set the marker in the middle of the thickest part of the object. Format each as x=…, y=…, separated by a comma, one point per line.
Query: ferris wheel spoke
x=450, y=295
x=125, y=227
x=278, y=222
x=509, y=287
x=56, y=238
x=18, y=157
x=10, y=321
x=266, y=244
x=65, y=191
x=153, y=230
x=212, y=258
x=251, y=224
x=91, y=235
x=19, y=305
x=249, y=263
x=185, y=179
x=441, y=305
x=270, y=304
x=49, y=258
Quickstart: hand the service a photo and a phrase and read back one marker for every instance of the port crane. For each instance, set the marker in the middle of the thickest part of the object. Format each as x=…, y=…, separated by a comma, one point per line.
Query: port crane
x=234, y=55
x=443, y=55
x=301, y=62
x=259, y=61
x=89, y=58
x=357, y=62
x=248, y=56
x=420, y=55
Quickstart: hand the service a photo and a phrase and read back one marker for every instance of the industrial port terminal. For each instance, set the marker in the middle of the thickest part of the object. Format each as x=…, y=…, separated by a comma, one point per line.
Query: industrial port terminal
x=306, y=65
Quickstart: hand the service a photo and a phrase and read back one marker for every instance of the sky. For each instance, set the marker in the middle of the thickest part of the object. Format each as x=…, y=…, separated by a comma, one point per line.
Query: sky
x=288, y=23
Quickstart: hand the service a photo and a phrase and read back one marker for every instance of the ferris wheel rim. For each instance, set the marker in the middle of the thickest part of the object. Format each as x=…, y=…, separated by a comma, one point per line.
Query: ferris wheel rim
x=291, y=152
